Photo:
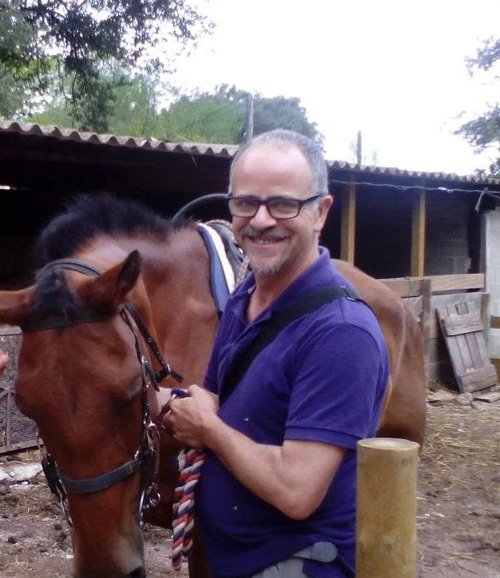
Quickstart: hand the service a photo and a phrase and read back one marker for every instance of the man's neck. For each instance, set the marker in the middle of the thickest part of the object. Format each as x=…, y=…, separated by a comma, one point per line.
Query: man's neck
x=269, y=287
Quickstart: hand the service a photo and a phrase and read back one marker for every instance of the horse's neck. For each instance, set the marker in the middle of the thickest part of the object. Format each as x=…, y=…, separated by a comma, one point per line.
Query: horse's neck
x=176, y=279
x=172, y=294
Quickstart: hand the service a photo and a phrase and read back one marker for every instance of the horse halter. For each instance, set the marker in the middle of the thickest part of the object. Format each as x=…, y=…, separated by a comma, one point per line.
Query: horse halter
x=146, y=457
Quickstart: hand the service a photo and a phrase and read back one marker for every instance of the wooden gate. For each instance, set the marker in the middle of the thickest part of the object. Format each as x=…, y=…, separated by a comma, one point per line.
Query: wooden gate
x=16, y=430
x=462, y=329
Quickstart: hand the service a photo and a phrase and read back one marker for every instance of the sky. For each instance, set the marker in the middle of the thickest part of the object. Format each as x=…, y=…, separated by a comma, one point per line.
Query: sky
x=393, y=69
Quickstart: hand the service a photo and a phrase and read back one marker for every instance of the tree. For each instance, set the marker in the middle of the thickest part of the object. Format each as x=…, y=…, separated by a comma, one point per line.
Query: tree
x=220, y=117
x=17, y=69
x=133, y=111
x=217, y=117
x=282, y=112
x=204, y=117
x=484, y=131
x=78, y=39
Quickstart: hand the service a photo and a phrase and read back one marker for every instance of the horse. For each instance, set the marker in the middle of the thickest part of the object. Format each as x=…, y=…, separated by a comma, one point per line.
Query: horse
x=122, y=301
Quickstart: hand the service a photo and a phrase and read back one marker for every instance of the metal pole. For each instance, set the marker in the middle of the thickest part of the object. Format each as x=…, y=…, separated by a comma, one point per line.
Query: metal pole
x=249, y=118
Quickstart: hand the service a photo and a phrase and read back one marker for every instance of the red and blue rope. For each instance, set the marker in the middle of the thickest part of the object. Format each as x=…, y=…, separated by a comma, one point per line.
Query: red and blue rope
x=189, y=464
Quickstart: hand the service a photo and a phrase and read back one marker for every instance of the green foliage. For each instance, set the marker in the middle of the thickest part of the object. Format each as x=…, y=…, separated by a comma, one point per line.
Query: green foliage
x=134, y=112
x=132, y=108
x=57, y=113
x=82, y=36
x=220, y=117
x=282, y=112
x=19, y=70
x=484, y=131
x=203, y=117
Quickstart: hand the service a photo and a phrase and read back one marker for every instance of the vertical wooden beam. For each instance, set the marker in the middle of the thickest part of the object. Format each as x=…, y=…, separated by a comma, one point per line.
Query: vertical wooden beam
x=418, y=235
x=348, y=224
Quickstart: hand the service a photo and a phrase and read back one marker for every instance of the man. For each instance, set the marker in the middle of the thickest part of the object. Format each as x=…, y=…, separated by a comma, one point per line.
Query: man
x=276, y=496
x=4, y=360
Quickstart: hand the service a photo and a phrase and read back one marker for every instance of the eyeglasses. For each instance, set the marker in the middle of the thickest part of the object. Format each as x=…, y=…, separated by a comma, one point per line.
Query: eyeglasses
x=278, y=207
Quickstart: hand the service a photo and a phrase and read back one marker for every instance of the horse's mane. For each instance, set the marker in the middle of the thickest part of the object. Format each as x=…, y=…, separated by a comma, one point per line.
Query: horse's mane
x=91, y=216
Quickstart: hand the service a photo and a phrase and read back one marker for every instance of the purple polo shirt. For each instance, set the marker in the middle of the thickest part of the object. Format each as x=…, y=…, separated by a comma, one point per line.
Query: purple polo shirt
x=323, y=379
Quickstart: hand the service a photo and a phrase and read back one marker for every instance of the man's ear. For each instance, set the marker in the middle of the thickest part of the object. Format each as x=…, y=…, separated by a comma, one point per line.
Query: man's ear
x=324, y=207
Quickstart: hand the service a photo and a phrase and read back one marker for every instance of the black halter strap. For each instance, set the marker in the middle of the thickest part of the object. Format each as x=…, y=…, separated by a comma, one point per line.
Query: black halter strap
x=72, y=265
x=63, y=318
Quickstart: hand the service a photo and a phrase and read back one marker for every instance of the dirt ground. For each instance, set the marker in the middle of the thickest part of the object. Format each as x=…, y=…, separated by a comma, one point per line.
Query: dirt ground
x=458, y=504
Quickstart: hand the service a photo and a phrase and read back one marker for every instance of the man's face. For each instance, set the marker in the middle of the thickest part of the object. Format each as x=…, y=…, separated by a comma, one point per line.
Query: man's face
x=277, y=247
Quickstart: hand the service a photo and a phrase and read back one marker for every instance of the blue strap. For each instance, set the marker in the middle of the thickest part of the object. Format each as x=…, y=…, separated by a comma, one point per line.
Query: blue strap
x=220, y=291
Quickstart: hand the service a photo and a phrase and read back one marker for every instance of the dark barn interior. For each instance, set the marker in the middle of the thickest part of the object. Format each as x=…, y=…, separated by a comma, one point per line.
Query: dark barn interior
x=42, y=168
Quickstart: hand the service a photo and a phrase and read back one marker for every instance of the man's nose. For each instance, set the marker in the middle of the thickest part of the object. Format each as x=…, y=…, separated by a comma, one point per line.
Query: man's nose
x=263, y=217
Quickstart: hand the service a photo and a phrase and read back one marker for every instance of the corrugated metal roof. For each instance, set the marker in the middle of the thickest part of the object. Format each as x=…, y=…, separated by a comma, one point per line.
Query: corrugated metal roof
x=393, y=171
x=220, y=150
x=68, y=134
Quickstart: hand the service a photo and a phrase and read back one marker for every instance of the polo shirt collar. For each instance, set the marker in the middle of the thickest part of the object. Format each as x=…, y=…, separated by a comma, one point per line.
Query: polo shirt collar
x=319, y=274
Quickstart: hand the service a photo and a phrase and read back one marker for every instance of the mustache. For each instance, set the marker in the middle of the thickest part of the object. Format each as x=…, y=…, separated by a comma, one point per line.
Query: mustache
x=273, y=233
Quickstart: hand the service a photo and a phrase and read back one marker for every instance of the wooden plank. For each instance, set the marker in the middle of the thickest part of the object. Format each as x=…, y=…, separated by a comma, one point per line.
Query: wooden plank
x=405, y=287
x=9, y=448
x=472, y=340
x=489, y=396
x=426, y=318
x=465, y=323
x=348, y=224
x=412, y=286
x=418, y=234
x=457, y=282
x=480, y=378
x=485, y=308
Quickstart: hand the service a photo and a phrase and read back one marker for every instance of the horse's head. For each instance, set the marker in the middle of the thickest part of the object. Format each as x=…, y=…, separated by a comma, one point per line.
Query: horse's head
x=81, y=380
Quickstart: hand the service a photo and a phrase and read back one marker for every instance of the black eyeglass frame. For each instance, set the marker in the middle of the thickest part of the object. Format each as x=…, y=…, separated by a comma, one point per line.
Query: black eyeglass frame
x=268, y=203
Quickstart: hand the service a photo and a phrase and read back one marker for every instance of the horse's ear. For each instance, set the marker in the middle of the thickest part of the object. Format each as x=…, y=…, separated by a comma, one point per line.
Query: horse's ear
x=110, y=289
x=15, y=305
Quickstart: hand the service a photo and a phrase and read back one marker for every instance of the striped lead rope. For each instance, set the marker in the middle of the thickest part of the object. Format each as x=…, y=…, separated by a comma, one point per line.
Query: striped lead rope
x=189, y=465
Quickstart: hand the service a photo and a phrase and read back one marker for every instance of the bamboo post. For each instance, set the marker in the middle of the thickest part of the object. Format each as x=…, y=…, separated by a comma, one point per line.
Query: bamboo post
x=386, y=508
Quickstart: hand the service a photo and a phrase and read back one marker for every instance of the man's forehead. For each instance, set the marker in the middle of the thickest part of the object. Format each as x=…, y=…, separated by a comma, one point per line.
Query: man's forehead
x=268, y=155
x=271, y=147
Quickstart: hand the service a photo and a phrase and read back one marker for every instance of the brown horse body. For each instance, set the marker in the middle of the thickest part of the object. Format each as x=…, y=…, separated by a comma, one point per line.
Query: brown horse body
x=82, y=383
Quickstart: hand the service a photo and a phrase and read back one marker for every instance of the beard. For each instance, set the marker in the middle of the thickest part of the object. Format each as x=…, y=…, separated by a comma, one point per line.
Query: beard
x=263, y=269
x=262, y=264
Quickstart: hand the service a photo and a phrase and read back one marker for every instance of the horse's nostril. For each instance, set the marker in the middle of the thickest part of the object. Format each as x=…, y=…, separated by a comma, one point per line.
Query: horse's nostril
x=137, y=573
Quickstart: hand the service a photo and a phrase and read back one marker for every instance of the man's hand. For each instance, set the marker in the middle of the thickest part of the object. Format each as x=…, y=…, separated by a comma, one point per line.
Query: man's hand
x=4, y=360
x=190, y=418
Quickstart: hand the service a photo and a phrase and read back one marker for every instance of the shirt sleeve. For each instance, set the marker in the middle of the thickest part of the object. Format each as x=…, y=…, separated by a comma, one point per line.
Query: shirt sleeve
x=338, y=387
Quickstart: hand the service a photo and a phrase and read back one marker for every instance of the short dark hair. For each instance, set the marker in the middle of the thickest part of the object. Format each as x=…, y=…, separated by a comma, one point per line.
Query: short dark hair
x=288, y=138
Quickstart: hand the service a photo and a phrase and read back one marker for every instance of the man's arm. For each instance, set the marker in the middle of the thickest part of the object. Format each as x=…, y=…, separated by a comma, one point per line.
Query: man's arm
x=293, y=477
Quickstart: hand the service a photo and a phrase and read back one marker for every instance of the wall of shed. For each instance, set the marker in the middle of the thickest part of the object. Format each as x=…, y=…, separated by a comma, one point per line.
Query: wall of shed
x=491, y=229
x=452, y=234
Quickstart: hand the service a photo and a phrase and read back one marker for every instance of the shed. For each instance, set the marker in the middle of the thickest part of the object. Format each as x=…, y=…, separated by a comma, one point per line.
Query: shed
x=392, y=223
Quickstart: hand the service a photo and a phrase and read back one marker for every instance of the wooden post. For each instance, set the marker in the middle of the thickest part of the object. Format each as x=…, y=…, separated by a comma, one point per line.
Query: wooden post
x=418, y=235
x=348, y=224
x=386, y=508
